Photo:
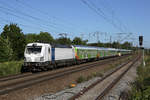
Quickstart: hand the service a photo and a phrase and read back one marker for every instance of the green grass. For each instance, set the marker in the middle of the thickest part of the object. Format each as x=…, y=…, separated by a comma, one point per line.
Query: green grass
x=97, y=74
x=80, y=79
x=9, y=68
x=141, y=86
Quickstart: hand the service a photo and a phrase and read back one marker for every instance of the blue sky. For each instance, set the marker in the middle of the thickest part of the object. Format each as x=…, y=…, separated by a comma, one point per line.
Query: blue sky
x=75, y=18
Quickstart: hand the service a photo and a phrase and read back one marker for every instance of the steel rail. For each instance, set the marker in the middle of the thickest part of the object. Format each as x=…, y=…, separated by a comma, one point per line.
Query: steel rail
x=16, y=76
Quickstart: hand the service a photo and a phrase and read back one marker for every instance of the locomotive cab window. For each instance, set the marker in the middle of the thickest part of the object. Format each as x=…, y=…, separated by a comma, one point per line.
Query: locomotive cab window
x=33, y=49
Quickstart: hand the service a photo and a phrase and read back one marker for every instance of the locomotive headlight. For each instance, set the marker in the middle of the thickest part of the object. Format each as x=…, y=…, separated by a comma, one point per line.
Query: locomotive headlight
x=41, y=58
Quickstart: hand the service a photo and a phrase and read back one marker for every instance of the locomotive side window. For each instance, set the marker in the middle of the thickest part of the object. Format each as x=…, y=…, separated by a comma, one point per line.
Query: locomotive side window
x=49, y=50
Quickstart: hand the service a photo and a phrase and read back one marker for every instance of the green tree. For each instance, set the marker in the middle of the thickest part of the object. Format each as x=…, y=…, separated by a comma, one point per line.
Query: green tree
x=42, y=37
x=6, y=51
x=45, y=37
x=84, y=42
x=99, y=44
x=126, y=45
x=116, y=45
x=63, y=41
x=16, y=39
x=31, y=37
x=79, y=41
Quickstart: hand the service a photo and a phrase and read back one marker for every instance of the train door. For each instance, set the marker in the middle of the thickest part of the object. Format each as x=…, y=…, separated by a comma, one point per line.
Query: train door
x=46, y=54
x=49, y=54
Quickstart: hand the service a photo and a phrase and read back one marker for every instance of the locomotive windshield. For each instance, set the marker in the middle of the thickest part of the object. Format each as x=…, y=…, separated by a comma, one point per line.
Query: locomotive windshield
x=33, y=49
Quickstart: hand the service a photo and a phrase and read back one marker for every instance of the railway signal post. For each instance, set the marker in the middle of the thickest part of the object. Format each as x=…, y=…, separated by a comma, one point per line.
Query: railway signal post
x=141, y=45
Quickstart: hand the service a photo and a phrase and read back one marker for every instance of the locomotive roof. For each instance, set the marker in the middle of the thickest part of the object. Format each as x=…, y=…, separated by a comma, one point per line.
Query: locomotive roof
x=92, y=47
x=54, y=45
x=85, y=47
x=61, y=46
x=36, y=44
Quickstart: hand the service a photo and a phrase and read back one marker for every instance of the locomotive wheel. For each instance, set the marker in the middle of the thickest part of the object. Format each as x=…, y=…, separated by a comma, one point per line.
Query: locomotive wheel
x=24, y=69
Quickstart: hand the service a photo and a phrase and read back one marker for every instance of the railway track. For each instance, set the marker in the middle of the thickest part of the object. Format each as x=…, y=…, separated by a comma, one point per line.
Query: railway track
x=22, y=75
x=21, y=81
x=16, y=76
x=93, y=92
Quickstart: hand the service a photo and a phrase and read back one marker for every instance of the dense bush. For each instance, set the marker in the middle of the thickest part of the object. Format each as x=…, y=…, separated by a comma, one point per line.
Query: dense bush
x=8, y=68
x=141, y=86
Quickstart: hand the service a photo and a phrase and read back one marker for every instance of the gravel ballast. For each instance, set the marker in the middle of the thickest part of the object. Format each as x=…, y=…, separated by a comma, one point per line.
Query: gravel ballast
x=123, y=86
x=67, y=93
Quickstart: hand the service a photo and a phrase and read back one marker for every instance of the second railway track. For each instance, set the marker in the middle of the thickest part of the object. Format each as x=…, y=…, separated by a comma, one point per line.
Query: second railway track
x=93, y=92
